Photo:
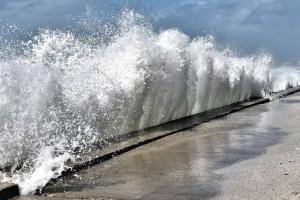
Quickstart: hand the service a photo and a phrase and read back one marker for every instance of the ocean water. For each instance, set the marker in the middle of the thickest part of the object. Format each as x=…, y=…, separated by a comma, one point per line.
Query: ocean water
x=62, y=93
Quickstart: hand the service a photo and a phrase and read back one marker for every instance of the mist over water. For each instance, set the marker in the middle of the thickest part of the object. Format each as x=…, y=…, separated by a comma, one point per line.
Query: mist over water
x=62, y=92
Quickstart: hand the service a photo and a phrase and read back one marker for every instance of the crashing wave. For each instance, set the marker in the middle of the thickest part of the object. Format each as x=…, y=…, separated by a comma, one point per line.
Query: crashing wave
x=63, y=94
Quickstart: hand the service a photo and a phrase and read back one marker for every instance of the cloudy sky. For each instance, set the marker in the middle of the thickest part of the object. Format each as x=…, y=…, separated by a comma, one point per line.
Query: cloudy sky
x=250, y=25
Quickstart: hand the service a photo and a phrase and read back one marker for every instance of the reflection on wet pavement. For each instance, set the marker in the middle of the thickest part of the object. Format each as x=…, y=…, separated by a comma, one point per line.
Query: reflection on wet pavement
x=183, y=166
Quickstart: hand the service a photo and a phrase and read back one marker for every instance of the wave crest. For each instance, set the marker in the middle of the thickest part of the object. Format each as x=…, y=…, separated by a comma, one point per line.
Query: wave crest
x=64, y=94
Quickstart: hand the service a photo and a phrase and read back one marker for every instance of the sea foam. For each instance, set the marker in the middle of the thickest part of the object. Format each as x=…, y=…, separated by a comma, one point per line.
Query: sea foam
x=63, y=94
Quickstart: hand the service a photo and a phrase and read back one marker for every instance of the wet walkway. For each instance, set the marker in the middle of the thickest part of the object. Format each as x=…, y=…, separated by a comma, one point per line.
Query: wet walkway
x=252, y=154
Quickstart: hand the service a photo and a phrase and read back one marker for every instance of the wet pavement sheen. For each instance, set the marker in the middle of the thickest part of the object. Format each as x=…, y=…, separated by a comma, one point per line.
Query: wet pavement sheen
x=185, y=165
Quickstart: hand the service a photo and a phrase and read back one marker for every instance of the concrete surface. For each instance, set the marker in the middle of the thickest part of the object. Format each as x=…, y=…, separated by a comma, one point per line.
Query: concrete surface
x=253, y=154
x=127, y=142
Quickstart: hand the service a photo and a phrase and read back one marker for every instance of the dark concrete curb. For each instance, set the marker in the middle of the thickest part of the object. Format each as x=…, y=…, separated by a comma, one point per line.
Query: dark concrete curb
x=130, y=141
x=289, y=91
x=8, y=191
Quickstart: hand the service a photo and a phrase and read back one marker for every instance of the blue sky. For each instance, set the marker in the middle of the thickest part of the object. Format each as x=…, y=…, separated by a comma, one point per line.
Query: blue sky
x=250, y=25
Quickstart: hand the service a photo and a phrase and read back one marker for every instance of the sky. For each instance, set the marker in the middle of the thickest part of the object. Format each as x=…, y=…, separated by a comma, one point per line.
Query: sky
x=249, y=25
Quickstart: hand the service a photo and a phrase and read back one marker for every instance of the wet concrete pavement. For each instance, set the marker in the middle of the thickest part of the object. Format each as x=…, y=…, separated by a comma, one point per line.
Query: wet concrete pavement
x=252, y=154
